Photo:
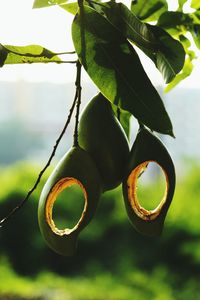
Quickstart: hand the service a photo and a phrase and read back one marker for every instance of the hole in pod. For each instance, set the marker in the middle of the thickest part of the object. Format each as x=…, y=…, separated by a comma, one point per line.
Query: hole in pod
x=66, y=205
x=148, y=186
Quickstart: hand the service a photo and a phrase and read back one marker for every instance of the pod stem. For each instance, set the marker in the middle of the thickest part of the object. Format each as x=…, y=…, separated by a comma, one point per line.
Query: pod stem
x=75, y=100
x=78, y=102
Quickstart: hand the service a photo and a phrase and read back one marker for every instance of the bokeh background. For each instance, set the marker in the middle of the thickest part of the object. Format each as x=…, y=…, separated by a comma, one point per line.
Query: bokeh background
x=113, y=261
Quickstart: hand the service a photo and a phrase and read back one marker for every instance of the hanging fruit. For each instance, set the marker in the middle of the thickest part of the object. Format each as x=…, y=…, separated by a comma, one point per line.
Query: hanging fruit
x=148, y=148
x=101, y=134
x=76, y=167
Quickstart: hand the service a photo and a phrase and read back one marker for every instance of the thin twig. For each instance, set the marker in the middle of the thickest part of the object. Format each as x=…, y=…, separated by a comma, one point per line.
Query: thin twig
x=21, y=204
x=78, y=86
x=63, y=53
x=78, y=103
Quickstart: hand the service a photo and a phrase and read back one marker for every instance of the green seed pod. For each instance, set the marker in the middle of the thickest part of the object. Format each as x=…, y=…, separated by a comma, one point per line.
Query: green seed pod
x=76, y=167
x=101, y=134
x=148, y=148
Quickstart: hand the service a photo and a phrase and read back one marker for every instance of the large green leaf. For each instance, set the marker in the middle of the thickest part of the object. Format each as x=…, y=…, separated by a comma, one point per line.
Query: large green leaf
x=186, y=71
x=124, y=118
x=46, y=3
x=148, y=10
x=195, y=4
x=196, y=17
x=166, y=52
x=115, y=68
x=187, y=46
x=26, y=54
x=188, y=65
x=125, y=121
x=195, y=31
x=183, y=22
x=171, y=19
x=170, y=55
x=130, y=26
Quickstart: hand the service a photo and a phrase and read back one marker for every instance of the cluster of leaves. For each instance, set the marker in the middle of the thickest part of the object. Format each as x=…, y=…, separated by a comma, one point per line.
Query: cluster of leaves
x=104, y=36
x=186, y=28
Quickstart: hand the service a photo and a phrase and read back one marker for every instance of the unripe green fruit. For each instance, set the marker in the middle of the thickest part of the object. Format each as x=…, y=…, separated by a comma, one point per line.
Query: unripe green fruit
x=76, y=167
x=148, y=148
x=101, y=134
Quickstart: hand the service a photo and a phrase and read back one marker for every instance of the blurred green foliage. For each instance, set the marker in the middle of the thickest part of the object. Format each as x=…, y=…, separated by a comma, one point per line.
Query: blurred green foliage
x=113, y=261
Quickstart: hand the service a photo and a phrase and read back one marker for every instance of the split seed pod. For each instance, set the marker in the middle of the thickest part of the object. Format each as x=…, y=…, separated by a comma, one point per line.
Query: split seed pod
x=148, y=148
x=101, y=134
x=76, y=167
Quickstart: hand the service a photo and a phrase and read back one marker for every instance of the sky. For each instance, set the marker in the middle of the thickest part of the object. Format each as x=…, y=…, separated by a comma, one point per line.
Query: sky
x=48, y=27
x=51, y=28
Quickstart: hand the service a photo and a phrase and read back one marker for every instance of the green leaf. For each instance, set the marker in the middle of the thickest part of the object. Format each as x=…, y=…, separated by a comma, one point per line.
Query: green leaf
x=166, y=52
x=187, y=70
x=148, y=10
x=72, y=7
x=115, y=68
x=124, y=118
x=170, y=55
x=172, y=19
x=47, y=3
x=196, y=17
x=25, y=54
x=195, y=4
x=195, y=31
x=130, y=26
x=187, y=44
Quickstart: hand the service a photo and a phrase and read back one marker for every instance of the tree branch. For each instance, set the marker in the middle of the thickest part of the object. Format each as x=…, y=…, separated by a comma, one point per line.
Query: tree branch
x=78, y=103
